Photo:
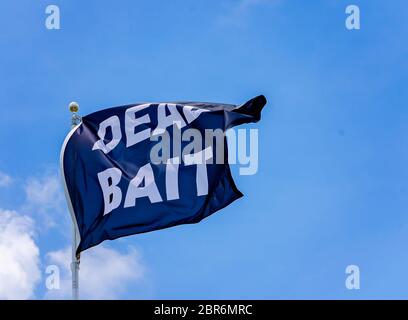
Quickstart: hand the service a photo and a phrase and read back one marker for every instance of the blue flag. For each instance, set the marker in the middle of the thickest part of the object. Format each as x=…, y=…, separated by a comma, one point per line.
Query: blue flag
x=148, y=166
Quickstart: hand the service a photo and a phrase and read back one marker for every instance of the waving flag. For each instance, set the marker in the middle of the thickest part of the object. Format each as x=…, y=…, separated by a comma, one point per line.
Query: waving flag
x=149, y=166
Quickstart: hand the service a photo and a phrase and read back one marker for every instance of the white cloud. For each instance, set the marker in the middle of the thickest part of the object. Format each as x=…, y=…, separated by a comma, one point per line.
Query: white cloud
x=104, y=273
x=5, y=179
x=19, y=256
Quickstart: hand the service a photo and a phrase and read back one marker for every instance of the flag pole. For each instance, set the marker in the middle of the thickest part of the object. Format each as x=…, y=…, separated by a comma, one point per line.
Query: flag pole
x=75, y=119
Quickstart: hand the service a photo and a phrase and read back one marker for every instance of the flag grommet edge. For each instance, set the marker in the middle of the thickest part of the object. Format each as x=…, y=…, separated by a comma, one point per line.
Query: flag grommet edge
x=67, y=196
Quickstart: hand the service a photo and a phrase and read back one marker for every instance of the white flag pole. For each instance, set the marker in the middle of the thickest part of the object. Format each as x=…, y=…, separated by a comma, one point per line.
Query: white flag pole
x=75, y=120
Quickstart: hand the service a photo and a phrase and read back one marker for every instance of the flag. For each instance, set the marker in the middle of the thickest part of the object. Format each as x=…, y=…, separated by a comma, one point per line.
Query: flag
x=148, y=166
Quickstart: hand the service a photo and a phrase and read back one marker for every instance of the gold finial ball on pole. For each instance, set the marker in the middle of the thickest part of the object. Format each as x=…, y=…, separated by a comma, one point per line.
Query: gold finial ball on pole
x=75, y=118
x=73, y=107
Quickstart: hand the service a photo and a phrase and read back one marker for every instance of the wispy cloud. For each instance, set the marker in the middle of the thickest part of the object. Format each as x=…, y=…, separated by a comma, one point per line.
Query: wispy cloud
x=45, y=199
x=237, y=12
x=5, y=179
x=19, y=256
x=104, y=273
x=45, y=192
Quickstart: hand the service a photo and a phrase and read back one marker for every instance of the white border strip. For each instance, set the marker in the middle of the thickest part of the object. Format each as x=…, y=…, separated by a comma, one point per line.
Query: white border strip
x=68, y=198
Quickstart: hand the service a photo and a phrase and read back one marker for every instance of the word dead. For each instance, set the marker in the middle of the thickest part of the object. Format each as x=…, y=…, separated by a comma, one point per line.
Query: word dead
x=134, y=118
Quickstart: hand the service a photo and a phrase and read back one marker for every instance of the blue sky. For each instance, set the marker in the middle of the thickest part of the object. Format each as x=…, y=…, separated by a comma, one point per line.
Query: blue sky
x=331, y=189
